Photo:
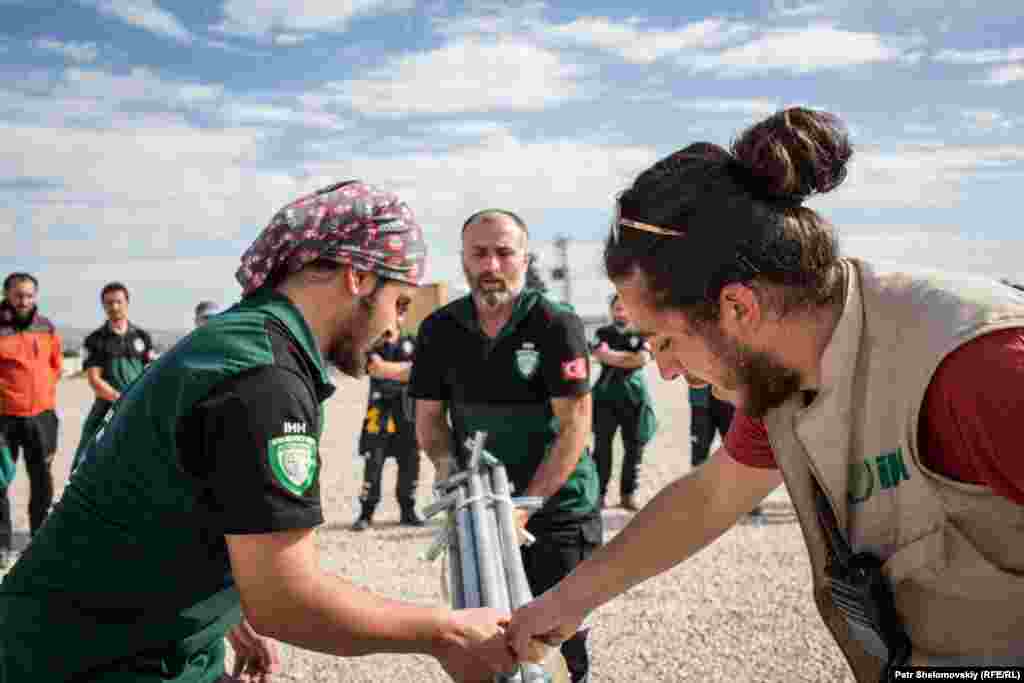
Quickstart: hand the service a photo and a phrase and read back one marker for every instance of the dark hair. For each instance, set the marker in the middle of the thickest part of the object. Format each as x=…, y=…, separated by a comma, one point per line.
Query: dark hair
x=736, y=217
x=114, y=287
x=496, y=212
x=204, y=307
x=15, y=278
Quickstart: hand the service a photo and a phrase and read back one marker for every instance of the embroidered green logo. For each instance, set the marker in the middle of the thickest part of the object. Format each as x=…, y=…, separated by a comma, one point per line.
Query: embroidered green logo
x=527, y=360
x=293, y=461
x=884, y=472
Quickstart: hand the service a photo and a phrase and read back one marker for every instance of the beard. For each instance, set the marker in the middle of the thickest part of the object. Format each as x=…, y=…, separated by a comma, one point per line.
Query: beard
x=24, y=314
x=762, y=381
x=348, y=353
x=490, y=290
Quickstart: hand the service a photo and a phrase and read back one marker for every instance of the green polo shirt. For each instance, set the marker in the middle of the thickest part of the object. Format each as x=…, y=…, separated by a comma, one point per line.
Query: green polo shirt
x=504, y=386
x=129, y=579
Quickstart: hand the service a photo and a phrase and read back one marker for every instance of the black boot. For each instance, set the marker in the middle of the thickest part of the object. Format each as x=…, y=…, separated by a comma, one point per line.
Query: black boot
x=364, y=521
x=410, y=517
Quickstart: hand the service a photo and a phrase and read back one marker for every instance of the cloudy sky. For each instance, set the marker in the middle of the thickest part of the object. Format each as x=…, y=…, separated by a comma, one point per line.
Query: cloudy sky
x=150, y=141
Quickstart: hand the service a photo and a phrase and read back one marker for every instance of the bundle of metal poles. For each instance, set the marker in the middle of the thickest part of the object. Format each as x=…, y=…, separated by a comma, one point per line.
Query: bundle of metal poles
x=485, y=567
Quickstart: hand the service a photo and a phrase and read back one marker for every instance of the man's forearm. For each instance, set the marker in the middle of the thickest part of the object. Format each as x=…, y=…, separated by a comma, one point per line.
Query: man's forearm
x=103, y=390
x=337, y=617
x=680, y=520
x=561, y=460
x=394, y=370
x=628, y=360
x=436, y=440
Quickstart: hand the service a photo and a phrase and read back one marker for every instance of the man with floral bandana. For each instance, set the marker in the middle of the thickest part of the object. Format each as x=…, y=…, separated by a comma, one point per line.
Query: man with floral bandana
x=200, y=493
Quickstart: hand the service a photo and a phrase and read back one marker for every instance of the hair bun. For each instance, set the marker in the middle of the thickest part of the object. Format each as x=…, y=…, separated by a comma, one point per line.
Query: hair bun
x=795, y=153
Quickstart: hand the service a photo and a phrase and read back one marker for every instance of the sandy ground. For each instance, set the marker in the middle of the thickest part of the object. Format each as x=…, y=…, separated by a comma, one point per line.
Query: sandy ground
x=741, y=610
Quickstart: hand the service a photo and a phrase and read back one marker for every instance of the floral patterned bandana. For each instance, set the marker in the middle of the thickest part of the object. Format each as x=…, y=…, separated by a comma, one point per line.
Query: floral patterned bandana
x=351, y=223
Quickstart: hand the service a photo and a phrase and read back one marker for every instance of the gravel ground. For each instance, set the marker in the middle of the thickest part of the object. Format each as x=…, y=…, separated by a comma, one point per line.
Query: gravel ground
x=741, y=610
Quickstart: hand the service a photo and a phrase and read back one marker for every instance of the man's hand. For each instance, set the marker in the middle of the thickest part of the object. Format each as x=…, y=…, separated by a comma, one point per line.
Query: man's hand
x=521, y=517
x=601, y=352
x=475, y=648
x=256, y=657
x=371, y=362
x=540, y=625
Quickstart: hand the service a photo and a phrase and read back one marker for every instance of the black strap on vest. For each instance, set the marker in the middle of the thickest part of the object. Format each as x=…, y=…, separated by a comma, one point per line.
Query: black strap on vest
x=861, y=593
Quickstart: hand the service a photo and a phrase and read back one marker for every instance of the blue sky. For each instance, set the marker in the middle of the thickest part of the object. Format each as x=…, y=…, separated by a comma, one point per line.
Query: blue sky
x=151, y=141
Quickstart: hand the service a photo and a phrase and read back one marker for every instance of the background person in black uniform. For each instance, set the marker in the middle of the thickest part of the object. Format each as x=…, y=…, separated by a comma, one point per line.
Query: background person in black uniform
x=710, y=412
x=508, y=361
x=205, y=310
x=388, y=428
x=116, y=353
x=621, y=400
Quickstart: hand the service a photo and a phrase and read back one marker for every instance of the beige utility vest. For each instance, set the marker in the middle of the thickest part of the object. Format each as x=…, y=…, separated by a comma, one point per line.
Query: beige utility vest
x=953, y=552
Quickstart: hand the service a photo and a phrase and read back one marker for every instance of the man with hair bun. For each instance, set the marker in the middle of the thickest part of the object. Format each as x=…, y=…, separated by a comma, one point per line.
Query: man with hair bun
x=888, y=402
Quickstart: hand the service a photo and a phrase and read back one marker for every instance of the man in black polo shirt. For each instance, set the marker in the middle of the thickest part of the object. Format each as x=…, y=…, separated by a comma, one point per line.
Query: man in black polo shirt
x=388, y=428
x=116, y=353
x=508, y=361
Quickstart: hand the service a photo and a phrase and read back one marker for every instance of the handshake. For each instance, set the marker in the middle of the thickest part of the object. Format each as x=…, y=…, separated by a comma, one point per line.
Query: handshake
x=497, y=633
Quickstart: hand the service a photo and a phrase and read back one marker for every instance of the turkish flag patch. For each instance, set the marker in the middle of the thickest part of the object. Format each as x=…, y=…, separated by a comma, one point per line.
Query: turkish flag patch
x=575, y=369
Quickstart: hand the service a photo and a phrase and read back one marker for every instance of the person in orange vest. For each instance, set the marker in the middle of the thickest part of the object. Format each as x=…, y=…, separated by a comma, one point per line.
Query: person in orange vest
x=31, y=359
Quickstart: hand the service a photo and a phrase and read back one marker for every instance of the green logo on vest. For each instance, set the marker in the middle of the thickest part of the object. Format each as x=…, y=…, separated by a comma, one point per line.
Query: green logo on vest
x=527, y=360
x=887, y=471
x=293, y=461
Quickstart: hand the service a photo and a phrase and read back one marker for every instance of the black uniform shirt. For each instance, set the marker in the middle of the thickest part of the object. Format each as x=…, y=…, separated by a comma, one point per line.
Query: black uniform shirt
x=121, y=358
x=401, y=351
x=228, y=440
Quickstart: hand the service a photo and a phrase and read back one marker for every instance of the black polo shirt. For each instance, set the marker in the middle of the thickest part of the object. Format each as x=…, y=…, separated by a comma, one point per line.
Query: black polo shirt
x=617, y=383
x=120, y=357
x=403, y=350
x=504, y=385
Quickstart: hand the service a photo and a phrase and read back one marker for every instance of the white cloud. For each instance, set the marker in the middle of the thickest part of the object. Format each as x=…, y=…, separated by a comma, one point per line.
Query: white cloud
x=531, y=178
x=1002, y=75
x=139, y=85
x=164, y=291
x=264, y=17
x=986, y=120
x=77, y=52
x=144, y=14
x=976, y=57
x=139, y=189
x=289, y=39
x=752, y=107
x=814, y=48
x=786, y=9
x=467, y=128
x=637, y=44
x=274, y=115
x=918, y=176
x=464, y=76
x=228, y=47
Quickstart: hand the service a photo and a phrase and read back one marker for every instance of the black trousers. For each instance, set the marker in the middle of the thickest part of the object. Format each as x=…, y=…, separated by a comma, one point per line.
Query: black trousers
x=559, y=547
x=610, y=417
x=704, y=422
x=36, y=438
x=387, y=433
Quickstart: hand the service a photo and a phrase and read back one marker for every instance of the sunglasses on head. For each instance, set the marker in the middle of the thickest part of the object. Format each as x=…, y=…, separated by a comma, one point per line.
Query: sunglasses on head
x=619, y=222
